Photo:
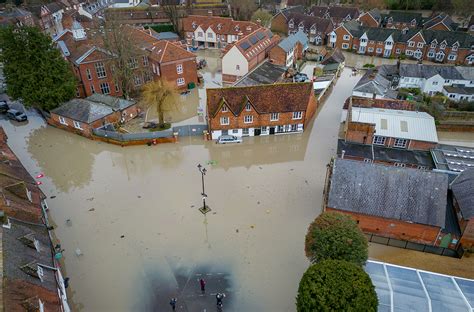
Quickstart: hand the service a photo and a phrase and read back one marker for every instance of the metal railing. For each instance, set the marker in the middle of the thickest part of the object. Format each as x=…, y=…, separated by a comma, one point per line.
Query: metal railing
x=127, y=137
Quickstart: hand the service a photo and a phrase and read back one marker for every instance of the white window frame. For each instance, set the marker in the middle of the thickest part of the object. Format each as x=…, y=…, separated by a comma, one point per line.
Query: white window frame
x=104, y=86
x=379, y=140
x=145, y=60
x=420, y=45
x=345, y=46
x=77, y=125
x=224, y=109
x=378, y=50
x=346, y=37
x=100, y=70
x=400, y=143
x=224, y=121
x=297, y=115
x=274, y=116
x=370, y=49
x=62, y=121
x=88, y=73
x=248, y=108
x=179, y=69
x=180, y=81
x=411, y=44
x=248, y=119
x=452, y=57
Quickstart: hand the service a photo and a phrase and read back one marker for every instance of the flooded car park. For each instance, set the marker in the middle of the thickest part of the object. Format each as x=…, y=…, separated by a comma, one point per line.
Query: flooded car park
x=133, y=213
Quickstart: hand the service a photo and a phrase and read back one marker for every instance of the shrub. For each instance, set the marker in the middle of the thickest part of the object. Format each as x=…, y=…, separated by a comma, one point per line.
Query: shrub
x=336, y=285
x=336, y=236
x=368, y=65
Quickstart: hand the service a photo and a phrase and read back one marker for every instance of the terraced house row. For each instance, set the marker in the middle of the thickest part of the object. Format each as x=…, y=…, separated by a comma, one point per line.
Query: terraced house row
x=422, y=44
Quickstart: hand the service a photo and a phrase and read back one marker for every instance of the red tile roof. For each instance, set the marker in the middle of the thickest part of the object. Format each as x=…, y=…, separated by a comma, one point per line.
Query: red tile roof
x=254, y=43
x=220, y=25
x=274, y=98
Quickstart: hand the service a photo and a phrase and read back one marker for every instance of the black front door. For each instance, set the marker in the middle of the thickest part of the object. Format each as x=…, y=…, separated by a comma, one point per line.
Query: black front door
x=257, y=131
x=272, y=130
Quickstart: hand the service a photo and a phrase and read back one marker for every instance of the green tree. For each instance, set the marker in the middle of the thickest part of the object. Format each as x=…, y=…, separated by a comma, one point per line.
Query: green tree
x=34, y=70
x=262, y=17
x=336, y=285
x=336, y=236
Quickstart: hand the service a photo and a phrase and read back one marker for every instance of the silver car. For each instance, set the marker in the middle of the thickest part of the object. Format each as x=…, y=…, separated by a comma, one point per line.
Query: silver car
x=224, y=139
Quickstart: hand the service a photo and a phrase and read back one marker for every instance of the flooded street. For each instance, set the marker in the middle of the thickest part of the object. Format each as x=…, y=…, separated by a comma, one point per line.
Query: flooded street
x=134, y=215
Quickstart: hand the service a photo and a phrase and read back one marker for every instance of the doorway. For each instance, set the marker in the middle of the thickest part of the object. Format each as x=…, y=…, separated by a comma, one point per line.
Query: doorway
x=257, y=131
x=272, y=130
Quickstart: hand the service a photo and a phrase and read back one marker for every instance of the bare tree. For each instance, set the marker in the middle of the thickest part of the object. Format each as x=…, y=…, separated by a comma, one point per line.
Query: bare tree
x=172, y=11
x=463, y=8
x=161, y=95
x=242, y=9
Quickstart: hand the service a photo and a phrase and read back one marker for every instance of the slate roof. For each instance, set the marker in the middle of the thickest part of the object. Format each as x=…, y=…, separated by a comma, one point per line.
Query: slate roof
x=404, y=17
x=335, y=56
x=375, y=13
x=459, y=89
x=463, y=191
x=386, y=154
x=464, y=39
x=404, y=194
x=337, y=12
x=265, y=73
x=440, y=18
x=296, y=9
x=290, y=42
x=92, y=108
x=428, y=71
x=372, y=82
x=321, y=24
x=166, y=35
x=273, y=98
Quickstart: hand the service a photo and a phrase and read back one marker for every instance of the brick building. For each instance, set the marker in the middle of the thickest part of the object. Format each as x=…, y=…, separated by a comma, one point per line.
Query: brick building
x=406, y=204
x=260, y=110
x=463, y=195
x=246, y=54
x=420, y=44
x=31, y=277
x=17, y=17
x=81, y=116
x=214, y=31
x=389, y=127
x=372, y=18
x=440, y=22
x=289, y=50
x=280, y=20
x=337, y=14
x=92, y=63
x=402, y=20
x=316, y=28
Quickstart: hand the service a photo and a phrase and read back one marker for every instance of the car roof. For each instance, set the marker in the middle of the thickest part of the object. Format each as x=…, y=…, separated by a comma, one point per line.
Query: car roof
x=11, y=110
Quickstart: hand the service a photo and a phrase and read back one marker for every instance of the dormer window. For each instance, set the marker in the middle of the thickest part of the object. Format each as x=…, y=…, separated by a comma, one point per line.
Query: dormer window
x=224, y=109
x=413, y=22
x=219, y=26
x=249, y=28
x=443, y=46
x=194, y=25
x=455, y=47
x=30, y=241
x=248, y=107
x=291, y=24
x=237, y=28
x=433, y=44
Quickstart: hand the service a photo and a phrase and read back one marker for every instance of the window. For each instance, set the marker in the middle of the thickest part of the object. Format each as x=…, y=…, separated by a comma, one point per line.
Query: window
x=104, y=88
x=62, y=120
x=248, y=119
x=274, y=116
x=433, y=44
x=379, y=140
x=138, y=80
x=411, y=44
x=88, y=73
x=431, y=54
x=210, y=35
x=237, y=67
x=235, y=131
x=132, y=63
x=397, y=51
x=180, y=81
x=345, y=46
x=294, y=127
x=420, y=45
x=224, y=121
x=388, y=43
x=92, y=88
x=200, y=34
x=370, y=49
x=346, y=37
x=402, y=143
x=145, y=60
x=399, y=165
x=179, y=68
x=409, y=52
x=363, y=40
x=247, y=107
x=368, y=160
x=100, y=70
x=443, y=46
x=454, y=48
x=77, y=125
x=379, y=50
x=452, y=96
x=452, y=57
x=297, y=115
x=224, y=109
x=117, y=88
x=435, y=83
x=245, y=131
x=422, y=168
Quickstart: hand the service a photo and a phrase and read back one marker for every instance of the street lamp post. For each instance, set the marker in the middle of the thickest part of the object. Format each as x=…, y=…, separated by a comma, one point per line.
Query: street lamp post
x=204, y=209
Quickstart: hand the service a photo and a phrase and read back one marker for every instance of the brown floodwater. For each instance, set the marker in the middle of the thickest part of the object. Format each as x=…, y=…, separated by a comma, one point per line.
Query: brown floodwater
x=133, y=213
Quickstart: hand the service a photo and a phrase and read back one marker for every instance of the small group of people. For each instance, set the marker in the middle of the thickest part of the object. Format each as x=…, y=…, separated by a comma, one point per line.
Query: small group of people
x=202, y=283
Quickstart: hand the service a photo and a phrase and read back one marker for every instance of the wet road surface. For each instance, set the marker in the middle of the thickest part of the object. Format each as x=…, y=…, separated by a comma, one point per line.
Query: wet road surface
x=134, y=214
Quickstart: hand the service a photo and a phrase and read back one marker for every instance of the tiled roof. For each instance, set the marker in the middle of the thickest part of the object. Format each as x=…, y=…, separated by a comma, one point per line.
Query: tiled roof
x=390, y=192
x=375, y=13
x=322, y=24
x=404, y=17
x=444, y=18
x=166, y=51
x=428, y=71
x=290, y=42
x=460, y=90
x=288, y=11
x=338, y=12
x=335, y=56
x=463, y=187
x=373, y=82
x=254, y=43
x=220, y=25
x=273, y=98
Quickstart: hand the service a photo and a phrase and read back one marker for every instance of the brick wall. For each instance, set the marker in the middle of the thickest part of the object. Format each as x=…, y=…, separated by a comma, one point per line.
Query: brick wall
x=367, y=20
x=279, y=24
x=277, y=55
x=95, y=81
x=360, y=132
x=170, y=73
x=86, y=128
x=467, y=239
x=340, y=33
x=380, y=103
x=418, y=233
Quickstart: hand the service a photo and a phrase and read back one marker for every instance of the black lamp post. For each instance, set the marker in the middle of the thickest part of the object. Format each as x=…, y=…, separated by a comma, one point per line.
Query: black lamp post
x=204, y=209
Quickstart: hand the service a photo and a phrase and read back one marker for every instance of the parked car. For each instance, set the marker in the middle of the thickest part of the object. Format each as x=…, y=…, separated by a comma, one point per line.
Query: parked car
x=13, y=114
x=300, y=77
x=224, y=139
x=4, y=107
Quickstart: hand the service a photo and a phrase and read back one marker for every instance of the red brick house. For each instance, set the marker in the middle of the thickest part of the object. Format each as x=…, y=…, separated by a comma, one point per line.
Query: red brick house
x=260, y=110
x=440, y=22
x=289, y=50
x=337, y=14
x=440, y=46
x=92, y=64
x=16, y=16
x=372, y=18
x=392, y=128
x=316, y=28
x=405, y=204
x=214, y=31
x=246, y=54
x=81, y=116
x=280, y=20
x=463, y=195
